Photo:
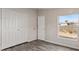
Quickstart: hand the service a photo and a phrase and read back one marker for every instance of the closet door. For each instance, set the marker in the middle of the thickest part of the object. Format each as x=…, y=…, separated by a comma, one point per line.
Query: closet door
x=22, y=28
x=14, y=28
x=8, y=28
x=41, y=27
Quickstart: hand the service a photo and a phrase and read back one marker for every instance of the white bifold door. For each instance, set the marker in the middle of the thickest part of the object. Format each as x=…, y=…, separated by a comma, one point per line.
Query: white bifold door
x=41, y=27
x=14, y=28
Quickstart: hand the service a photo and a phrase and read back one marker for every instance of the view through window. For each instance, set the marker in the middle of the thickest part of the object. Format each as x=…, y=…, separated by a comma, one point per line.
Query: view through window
x=68, y=26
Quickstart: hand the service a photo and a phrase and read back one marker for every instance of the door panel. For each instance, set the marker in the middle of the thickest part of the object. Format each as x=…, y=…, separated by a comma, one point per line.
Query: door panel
x=8, y=28
x=22, y=28
x=41, y=27
x=14, y=28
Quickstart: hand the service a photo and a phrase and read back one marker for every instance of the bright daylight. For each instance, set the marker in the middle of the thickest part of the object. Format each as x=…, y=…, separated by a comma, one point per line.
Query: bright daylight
x=68, y=26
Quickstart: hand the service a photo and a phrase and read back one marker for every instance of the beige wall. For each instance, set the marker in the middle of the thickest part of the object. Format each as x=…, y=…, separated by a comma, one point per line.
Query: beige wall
x=51, y=25
x=18, y=26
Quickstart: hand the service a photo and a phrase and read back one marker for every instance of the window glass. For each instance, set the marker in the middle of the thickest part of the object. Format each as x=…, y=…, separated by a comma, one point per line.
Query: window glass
x=68, y=26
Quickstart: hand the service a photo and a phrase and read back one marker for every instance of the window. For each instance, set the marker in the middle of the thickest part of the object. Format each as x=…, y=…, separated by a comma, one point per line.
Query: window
x=68, y=26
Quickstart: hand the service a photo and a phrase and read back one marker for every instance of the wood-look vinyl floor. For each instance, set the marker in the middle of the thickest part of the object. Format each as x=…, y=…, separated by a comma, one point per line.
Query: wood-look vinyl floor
x=39, y=45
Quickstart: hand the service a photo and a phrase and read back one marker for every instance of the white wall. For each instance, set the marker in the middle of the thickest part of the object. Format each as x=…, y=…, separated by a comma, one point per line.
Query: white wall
x=18, y=26
x=51, y=25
